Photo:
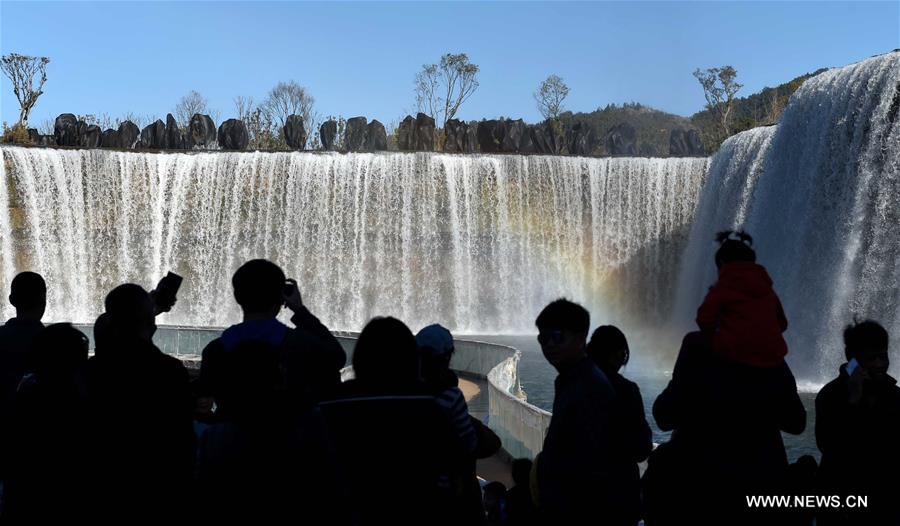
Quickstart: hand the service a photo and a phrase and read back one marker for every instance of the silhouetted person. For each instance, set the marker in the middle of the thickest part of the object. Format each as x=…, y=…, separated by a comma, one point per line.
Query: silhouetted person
x=47, y=436
x=311, y=357
x=520, y=507
x=574, y=467
x=631, y=436
x=495, y=503
x=28, y=294
x=726, y=420
x=436, y=346
x=266, y=463
x=385, y=361
x=476, y=439
x=741, y=312
x=401, y=454
x=102, y=336
x=857, y=427
x=142, y=442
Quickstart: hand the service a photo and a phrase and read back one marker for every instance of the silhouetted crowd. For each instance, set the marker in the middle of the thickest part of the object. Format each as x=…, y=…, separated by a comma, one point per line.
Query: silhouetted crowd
x=266, y=431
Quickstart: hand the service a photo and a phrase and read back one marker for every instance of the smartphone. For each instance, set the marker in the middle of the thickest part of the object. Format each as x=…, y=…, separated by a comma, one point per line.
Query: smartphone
x=852, y=364
x=167, y=289
x=288, y=288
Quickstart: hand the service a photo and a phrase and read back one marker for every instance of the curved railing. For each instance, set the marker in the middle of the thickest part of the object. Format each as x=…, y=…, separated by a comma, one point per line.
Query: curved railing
x=520, y=425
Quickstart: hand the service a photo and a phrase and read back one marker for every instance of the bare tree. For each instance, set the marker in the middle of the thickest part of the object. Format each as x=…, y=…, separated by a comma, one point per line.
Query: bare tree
x=550, y=96
x=260, y=129
x=774, y=107
x=21, y=70
x=47, y=127
x=719, y=88
x=289, y=98
x=243, y=106
x=442, y=88
x=190, y=104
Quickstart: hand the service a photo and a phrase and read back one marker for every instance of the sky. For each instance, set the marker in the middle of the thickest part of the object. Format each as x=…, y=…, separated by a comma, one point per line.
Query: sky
x=361, y=58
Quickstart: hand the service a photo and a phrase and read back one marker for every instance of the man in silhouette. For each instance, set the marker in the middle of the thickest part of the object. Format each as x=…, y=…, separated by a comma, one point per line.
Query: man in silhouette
x=857, y=425
x=574, y=466
x=28, y=294
x=311, y=357
x=140, y=410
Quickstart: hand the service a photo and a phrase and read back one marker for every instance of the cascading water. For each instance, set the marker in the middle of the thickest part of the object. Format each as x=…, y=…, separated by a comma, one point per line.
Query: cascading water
x=819, y=192
x=479, y=243
x=724, y=202
x=6, y=242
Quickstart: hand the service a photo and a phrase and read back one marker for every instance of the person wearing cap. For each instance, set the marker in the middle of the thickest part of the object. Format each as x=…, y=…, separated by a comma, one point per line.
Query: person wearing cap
x=436, y=346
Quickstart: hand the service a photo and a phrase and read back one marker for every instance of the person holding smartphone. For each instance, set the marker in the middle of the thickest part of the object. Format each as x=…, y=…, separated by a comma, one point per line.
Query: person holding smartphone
x=857, y=425
x=311, y=356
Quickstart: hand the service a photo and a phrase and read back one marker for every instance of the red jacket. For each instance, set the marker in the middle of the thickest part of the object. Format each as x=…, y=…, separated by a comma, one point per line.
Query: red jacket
x=744, y=316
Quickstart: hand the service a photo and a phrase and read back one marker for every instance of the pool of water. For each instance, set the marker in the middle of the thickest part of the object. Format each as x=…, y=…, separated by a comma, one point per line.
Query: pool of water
x=650, y=373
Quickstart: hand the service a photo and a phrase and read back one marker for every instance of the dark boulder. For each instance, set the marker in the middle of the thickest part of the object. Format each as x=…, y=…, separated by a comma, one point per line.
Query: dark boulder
x=513, y=132
x=201, y=132
x=128, y=135
x=416, y=134
x=174, y=137
x=153, y=136
x=424, y=133
x=355, y=134
x=455, y=136
x=490, y=135
x=580, y=139
x=621, y=140
x=109, y=138
x=545, y=138
x=406, y=134
x=526, y=143
x=89, y=135
x=327, y=134
x=65, y=129
x=376, y=137
x=38, y=139
x=647, y=150
x=471, y=142
x=294, y=132
x=684, y=143
x=233, y=135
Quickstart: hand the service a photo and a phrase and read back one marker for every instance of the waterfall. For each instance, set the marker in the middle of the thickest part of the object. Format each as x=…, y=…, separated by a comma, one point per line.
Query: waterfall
x=723, y=204
x=819, y=192
x=7, y=262
x=478, y=242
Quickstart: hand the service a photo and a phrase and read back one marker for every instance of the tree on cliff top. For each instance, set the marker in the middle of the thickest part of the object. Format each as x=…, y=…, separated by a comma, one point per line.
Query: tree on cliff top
x=719, y=88
x=21, y=70
x=191, y=104
x=442, y=88
x=286, y=99
x=550, y=96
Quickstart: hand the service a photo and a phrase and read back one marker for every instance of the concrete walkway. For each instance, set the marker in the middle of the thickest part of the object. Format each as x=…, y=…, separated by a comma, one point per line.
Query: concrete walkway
x=495, y=468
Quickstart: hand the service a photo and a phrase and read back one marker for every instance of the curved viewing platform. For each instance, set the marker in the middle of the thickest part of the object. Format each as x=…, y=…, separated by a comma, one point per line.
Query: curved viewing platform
x=521, y=426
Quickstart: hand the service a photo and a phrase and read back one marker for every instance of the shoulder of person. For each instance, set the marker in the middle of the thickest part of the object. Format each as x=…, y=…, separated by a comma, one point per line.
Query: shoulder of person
x=836, y=387
x=214, y=345
x=627, y=386
x=172, y=364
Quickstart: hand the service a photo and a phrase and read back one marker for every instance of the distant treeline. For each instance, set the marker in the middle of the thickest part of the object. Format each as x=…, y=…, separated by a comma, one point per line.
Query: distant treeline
x=653, y=127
